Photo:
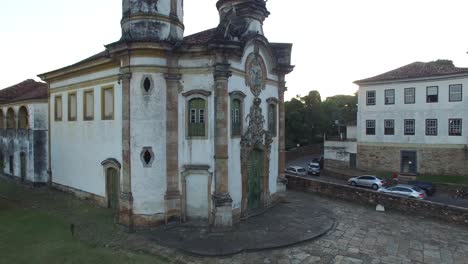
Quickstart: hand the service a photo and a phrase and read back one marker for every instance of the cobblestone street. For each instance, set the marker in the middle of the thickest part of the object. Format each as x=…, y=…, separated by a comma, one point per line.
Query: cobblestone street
x=366, y=236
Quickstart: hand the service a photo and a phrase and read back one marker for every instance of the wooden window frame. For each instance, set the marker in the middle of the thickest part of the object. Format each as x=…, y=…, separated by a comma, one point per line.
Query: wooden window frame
x=69, y=106
x=391, y=129
x=374, y=97
x=427, y=95
x=85, y=104
x=413, y=94
x=189, y=96
x=368, y=127
x=387, y=102
x=450, y=133
x=237, y=95
x=413, y=127
x=103, y=103
x=431, y=127
x=56, y=118
x=451, y=86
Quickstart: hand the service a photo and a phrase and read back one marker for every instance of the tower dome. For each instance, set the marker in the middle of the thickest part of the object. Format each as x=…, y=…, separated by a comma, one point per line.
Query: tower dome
x=152, y=20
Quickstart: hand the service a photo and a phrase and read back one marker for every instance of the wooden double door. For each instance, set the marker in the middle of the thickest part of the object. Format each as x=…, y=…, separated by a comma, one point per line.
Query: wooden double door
x=255, y=172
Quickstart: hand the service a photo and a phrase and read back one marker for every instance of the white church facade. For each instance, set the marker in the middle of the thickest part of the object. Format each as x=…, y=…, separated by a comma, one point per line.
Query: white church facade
x=164, y=127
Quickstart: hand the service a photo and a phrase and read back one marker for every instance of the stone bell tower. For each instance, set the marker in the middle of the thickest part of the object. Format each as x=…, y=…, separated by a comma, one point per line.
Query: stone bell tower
x=241, y=17
x=152, y=20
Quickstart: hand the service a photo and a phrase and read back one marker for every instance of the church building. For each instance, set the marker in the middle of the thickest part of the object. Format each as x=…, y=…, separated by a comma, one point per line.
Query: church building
x=163, y=127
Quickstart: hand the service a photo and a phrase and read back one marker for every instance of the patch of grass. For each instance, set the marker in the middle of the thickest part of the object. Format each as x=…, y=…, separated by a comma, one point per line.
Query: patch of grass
x=35, y=228
x=444, y=179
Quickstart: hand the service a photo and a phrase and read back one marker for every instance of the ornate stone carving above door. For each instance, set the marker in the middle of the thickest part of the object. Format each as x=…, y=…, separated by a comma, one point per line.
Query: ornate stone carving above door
x=256, y=73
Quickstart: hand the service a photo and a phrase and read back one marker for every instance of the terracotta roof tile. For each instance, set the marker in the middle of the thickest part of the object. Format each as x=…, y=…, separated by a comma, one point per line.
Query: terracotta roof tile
x=26, y=90
x=200, y=38
x=417, y=70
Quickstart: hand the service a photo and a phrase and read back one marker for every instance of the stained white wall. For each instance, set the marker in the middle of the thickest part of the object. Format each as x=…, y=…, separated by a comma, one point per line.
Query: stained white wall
x=148, y=129
x=339, y=150
x=79, y=147
x=420, y=111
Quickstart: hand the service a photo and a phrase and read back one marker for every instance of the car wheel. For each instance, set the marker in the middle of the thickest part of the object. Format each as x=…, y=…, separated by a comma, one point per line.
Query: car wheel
x=353, y=183
x=375, y=186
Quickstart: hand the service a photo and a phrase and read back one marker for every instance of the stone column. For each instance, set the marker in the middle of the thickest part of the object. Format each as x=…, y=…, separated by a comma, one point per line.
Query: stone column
x=222, y=199
x=172, y=197
x=281, y=182
x=126, y=197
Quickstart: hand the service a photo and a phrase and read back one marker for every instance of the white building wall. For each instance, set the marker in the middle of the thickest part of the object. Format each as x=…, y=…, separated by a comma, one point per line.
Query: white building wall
x=420, y=111
x=79, y=147
x=148, y=129
x=339, y=150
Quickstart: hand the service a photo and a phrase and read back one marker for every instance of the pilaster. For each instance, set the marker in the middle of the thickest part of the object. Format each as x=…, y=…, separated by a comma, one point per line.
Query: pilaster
x=126, y=197
x=222, y=199
x=281, y=182
x=172, y=196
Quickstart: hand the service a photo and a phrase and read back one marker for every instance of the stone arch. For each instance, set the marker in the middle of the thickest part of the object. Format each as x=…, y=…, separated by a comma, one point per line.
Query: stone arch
x=11, y=119
x=23, y=118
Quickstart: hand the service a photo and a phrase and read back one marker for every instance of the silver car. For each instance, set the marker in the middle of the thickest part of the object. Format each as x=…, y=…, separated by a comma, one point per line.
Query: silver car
x=368, y=181
x=405, y=190
x=296, y=170
x=314, y=168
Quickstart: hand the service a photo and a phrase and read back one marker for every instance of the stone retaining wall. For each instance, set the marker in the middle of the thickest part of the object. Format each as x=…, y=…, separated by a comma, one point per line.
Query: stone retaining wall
x=443, y=212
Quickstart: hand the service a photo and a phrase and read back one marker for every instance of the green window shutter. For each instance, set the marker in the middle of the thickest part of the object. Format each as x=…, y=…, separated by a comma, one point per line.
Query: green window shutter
x=197, y=117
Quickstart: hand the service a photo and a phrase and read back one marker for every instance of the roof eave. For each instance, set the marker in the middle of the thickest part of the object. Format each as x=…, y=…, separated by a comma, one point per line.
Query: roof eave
x=419, y=79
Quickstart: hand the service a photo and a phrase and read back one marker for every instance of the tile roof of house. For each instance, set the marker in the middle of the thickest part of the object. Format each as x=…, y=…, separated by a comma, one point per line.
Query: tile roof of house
x=200, y=38
x=417, y=70
x=23, y=91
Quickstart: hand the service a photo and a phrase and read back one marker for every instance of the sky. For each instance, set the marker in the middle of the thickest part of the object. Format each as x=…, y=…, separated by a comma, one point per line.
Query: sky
x=335, y=42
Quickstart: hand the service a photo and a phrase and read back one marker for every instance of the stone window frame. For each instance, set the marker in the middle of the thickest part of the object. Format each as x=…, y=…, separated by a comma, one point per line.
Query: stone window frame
x=389, y=127
x=431, y=127
x=194, y=94
x=272, y=120
x=431, y=100
x=85, y=104
x=408, y=128
x=58, y=118
x=413, y=95
x=142, y=84
x=452, y=86
x=2, y=119
x=371, y=100
x=70, y=118
x=455, y=129
x=103, y=102
x=388, y=95
x=369, y=127
x=20, y=117
x=237, y=95
x=144, y=150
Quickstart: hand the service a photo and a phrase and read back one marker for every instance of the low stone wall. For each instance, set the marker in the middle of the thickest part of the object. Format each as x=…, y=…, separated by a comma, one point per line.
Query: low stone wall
x=443, y=212
x=99, y=200
x=329, y=163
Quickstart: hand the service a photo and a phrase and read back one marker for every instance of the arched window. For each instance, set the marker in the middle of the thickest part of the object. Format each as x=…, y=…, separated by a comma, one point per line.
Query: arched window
x=11, y=118
x=23, y=118
x=2, y=119
x=272, y=119
x=197, y=117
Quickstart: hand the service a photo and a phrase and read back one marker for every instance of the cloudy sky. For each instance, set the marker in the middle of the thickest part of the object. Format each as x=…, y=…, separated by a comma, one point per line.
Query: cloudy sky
x=335, y=41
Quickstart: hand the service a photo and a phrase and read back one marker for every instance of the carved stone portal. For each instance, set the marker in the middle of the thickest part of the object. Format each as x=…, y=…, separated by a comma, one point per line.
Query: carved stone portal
x=256, y=141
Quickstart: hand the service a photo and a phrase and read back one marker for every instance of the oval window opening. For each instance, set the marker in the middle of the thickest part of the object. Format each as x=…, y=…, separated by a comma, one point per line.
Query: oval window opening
x=147, y=157
x=147, y=84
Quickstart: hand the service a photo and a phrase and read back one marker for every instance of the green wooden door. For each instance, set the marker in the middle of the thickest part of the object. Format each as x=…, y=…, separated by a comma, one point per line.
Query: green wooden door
x=254, y=179
x=113, y=188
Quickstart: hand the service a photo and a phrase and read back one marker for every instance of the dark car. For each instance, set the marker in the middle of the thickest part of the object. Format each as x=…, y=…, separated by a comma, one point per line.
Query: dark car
x=426, y=186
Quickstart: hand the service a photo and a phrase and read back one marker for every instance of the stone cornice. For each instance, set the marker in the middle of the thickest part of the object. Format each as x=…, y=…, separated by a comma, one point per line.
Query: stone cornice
x=237, y=94
x=197, y=91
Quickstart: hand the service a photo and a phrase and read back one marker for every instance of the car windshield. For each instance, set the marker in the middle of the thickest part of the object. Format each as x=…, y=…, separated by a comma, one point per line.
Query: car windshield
x=301, y=170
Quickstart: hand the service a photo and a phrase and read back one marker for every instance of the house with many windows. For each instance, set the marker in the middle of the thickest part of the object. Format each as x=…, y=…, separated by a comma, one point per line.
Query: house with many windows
x=414, y=120
x=24, y=132
x=162, y=126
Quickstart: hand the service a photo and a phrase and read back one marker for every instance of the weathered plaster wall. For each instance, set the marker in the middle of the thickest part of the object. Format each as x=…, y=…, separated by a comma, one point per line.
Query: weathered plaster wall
x=148, y=129
x=79, y=147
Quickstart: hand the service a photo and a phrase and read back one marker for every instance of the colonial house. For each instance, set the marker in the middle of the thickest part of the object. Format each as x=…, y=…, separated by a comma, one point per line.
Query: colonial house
x=24, y=132
x=164, y=127
x=413, y=120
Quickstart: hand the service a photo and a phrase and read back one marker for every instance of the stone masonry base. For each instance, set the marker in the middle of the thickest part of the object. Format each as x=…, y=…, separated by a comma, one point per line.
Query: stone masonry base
x=434, y=161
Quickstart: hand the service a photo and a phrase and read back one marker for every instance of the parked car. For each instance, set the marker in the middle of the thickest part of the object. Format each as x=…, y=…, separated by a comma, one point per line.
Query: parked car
x=428, y=187
x=296, y=170
x=368, y=181
x=405, y=190
x=313, y=168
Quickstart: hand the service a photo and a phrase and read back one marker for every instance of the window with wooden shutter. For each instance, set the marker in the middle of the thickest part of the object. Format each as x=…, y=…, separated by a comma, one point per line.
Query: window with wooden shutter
x=236, y=117
x=272, y=119
x=58, y=108
x=197, y=118
x=72, y=107
x=88, y=108
x=108, y=103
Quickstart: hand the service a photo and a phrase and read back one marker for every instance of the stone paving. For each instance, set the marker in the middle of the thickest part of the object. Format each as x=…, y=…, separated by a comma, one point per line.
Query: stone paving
x=366, y=236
